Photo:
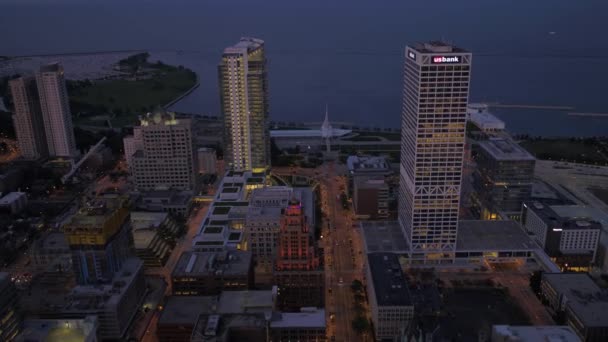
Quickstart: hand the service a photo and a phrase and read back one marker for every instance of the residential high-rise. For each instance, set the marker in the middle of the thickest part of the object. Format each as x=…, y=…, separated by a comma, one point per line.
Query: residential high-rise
x=98, y=236
x=435, y=96
x=298, y=272
x=27, y=118
x=244, y=105
x=56, y=113
x=165, y=158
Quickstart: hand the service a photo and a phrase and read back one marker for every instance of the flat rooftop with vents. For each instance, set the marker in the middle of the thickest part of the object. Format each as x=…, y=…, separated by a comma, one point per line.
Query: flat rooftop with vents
x=389, y=283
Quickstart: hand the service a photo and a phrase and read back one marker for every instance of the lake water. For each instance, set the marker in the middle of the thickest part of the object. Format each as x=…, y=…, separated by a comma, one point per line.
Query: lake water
x=348, y=54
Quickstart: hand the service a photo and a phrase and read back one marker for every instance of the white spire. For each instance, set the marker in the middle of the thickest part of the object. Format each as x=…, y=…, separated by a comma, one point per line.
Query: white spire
x=326, y=128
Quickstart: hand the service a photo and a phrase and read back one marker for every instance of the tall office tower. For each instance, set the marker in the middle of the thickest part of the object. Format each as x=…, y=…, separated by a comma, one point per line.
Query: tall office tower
x=98, y=236
x=436, y=91
x=166, y=158
x=298, y=272
x=27, y=118
x=56, y=113
x=244, y=104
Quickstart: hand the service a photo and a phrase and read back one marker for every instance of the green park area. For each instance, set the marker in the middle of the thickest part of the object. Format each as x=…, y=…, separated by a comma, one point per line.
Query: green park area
x=141, y=87
x=587, y=151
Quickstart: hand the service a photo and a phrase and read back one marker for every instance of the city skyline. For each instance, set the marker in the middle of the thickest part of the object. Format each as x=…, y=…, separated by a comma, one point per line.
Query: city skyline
x=192, y=227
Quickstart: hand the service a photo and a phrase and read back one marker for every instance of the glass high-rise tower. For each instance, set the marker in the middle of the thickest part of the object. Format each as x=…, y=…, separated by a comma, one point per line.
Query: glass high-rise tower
x=244, y=105
x=433, y=120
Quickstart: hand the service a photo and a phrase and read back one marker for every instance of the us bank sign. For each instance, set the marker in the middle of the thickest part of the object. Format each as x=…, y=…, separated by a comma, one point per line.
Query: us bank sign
x=445, y=60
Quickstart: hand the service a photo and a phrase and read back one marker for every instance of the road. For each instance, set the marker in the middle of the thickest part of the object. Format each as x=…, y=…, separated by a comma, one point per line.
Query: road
x=184, y=244
x=342, y=248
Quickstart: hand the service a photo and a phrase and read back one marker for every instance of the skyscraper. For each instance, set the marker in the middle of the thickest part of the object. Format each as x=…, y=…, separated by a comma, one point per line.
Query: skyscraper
x=164, y=153
x=56, y=113
x=27, y=118
x=244, y=105
x=298, y=272
x=435, y=96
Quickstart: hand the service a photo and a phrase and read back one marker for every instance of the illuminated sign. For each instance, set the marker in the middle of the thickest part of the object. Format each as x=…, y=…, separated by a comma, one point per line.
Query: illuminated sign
x=411, y=55
x=445, y=60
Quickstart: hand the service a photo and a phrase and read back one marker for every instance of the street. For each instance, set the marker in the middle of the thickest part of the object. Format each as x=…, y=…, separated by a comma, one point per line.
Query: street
x=344, y=258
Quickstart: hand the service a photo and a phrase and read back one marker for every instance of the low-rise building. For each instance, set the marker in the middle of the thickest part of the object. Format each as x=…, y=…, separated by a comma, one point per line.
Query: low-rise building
x=549, y=333
x=115, y=304
x=13, y=203
x=10, y=317
x=389, y=298
x=583, y=303
x=478, y=114
x=59, y=330
x=180, y=315
x=371, y=198
x=370, y=185
x=175, y=202
x=571, y=241
x=148, y=229
x=307, y=325
x=210, y=273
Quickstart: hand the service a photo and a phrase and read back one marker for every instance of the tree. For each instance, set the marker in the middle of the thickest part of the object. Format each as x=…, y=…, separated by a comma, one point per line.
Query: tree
x=356, y=285
x=360, y=325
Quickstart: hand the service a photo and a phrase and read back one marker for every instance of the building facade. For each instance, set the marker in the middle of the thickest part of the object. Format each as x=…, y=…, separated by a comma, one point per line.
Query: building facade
x=583, y=303
x=298, y=271
x=502, y=179
x=27, y=118
x=210, y=273
x=98, y=236
x=572, y=242
x=166, y=159
x=56, y=113
x=390, y=302
x=436, y=91
x=206, y=160
x=10, y=318
x=308, y=325
x=244, y=104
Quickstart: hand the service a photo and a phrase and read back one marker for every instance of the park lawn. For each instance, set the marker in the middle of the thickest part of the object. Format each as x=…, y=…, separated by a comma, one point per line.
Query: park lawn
x=128, y=99
x=565, y=150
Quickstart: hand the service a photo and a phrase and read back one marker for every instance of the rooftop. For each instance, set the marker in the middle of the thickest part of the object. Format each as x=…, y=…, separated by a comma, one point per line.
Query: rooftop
x=240, y=302
x=209, y=263
x=246, y=44
x=504, y=149
x=92, y=298
x=308, y=133
x=383, y=236
x=390, y=286
x=11, y=197
x=58, y=330
x=307, y=318
x=51, y=240
x=486, y=120
x=588, y=302
x=147, y=220
x=186, y=309
x=99, y=210
x=481, y=235
x=367, y=163
x=51, y=67
x=548, y=333
x=567, y=216
x=436, y=47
